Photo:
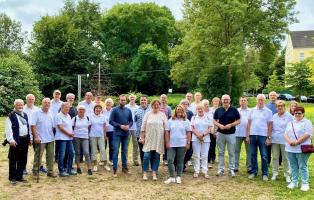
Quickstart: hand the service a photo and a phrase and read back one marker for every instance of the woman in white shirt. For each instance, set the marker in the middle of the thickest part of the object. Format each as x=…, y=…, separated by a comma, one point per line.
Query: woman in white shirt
x=109, y=128
x=81, y=125
x=298, y=132
x=178, y=139
x=201, y=127
x=97, y=138
x=280, y=122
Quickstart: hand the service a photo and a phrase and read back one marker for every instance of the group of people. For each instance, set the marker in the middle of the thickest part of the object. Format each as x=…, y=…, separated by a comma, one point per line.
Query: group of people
x=191, y=133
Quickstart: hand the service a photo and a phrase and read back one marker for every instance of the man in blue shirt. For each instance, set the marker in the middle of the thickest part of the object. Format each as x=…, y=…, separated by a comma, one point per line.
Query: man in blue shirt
x=121, y=119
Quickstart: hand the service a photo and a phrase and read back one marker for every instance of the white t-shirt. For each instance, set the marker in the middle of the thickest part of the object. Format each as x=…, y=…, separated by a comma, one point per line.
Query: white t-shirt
x=97, y=125
x=241, y=128
x=29, y=112
x=107, y=113
x=279, y=127
x=201, y=124
x=259, y=120
x=66, y=122
x=300, y=128
x=44, y=123
x=80, y=126
x=132, y=108
x=55, y=107
x=178, y=129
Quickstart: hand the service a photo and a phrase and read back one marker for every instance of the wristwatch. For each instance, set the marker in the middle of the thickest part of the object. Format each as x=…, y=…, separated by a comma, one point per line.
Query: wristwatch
x=268, y=137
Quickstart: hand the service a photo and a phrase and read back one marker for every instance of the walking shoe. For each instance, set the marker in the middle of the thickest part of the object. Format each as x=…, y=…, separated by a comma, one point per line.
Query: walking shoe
x=89, y=172
x=231, y=173
x=206, y=175
x=145, y=176
x=95, y=169
x=178, y=180
x=195, y=175
x=236, y=171
x=13, y=182
x=51, y=175
x=35, y=174
x=265, y=178
x=251, y=176
x=155, y=176
x=190, y=163
x=305, y=187
x=288, y=179
x=136, y=163
x=25, y=173
x=63, y=174
x=274, y=177
x=125, y=170
x=220, y=172
x=22, y=180
x=43, y=170
x=79, y=171
x=170, y=180
x=115, y=173
x=107, y=168
x=165, y=163
x=72, y=172
x=101, y=163
x=292, y=185
x=210, y=165
x=110, y=162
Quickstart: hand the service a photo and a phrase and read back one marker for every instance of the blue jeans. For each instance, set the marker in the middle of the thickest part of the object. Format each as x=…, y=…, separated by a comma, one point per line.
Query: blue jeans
x=257, y=141
x=298, y=163
x=63, y=146
x=152, y=156
x=124, y=140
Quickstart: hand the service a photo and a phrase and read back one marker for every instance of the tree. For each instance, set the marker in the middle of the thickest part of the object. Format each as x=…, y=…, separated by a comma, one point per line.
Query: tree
x=11, y=35
x=252, y=83
x=134, y=35
x=275, y=83
x=16, y=81
x=299, y=75
x=218, y=36
x=66, y=45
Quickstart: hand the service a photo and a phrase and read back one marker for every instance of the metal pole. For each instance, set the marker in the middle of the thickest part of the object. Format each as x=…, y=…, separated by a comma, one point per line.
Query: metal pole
x=99, y=78
x=79, y=87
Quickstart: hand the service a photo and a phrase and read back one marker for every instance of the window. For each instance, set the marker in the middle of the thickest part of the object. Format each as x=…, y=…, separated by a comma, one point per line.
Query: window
x=301, y=56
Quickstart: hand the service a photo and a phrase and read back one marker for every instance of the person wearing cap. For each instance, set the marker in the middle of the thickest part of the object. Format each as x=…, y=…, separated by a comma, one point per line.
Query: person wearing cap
x=17, y=135
x=81, y=125
x=56, y=102
x=132, y=106
x=43, y=137
x=88, y=104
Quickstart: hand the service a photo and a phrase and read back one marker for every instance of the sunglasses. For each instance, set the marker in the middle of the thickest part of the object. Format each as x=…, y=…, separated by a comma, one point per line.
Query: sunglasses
x=298, y=113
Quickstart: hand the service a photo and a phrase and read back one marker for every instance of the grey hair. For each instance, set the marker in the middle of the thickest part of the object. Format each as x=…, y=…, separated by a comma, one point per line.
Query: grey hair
x=205, y=101
x=260, y=96
x=108, y=100
x=29, y=95
x=16, y=101
x=183, y=101
x=69, y=94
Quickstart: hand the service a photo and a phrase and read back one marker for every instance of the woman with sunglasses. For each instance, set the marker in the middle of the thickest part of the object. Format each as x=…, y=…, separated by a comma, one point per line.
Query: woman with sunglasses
x=178, y=139
x=280, y=121
x=298, y=132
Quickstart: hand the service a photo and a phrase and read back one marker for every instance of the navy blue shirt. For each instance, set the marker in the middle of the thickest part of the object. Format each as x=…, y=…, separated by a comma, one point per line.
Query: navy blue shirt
x=189, y=114
x=120, y=116
x=226, y=117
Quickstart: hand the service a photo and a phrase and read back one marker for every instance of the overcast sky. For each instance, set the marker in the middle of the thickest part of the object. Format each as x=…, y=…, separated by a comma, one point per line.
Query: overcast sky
x=29, y=11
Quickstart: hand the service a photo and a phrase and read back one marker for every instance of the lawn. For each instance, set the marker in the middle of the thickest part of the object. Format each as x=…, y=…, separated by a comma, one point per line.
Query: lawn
x=102, y=185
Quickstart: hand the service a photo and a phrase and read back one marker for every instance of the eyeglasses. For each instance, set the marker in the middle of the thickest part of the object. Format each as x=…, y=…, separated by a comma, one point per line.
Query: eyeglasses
x=280, y=106
x=298, y=113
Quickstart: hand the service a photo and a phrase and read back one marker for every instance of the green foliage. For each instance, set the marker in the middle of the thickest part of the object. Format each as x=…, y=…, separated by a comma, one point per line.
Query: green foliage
x=16, y=81
x=275, y=83
x=66, y=45
x=299, y=75
x=252, y=83
x=11, y=35
x=138, y=37
x=217, y=34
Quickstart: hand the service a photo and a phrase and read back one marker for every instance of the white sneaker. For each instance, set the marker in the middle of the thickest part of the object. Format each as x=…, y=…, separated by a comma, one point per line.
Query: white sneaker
x=107, y=168
x=195, y=175
x=178, y=180
x=206, y=175
x=170, y=180
x=220, y=172
x=292, y=185
x=95, y=169
x=155, y=177
x=288, y=179
x=265, y=178
x=251, y=176
x=305, y=187
x=145, y=177
x=210, y=165
x=190, y=163
x=274, y=177
x=231, y=173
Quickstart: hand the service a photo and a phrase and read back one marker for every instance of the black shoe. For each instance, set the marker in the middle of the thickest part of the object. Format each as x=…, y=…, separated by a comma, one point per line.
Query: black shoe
x=89, y=172
x=43, y=170
x=22, y=180
x=79, y=171
x=13, y=182
x=236, y=170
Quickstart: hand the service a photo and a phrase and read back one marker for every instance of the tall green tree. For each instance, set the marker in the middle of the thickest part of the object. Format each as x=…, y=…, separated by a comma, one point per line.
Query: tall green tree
x=299, y=76
x=65, y=45
x=12, y=37
x=136, y=37
x=16, y=81
x=275, y=83
x=218, y=36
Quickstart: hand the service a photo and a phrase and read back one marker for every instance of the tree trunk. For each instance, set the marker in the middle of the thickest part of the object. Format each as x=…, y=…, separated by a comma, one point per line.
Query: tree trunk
x=229, y=79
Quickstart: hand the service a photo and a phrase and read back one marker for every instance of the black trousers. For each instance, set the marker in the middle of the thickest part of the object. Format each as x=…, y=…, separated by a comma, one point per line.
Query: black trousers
x=212, y=149
x=18, y=159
